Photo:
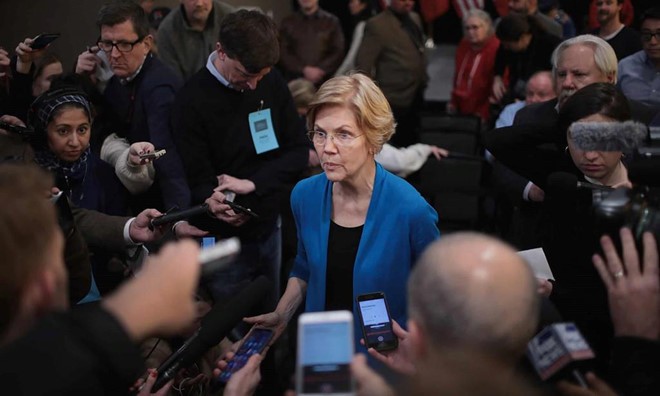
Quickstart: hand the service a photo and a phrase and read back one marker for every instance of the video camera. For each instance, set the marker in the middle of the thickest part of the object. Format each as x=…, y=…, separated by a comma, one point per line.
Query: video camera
x=639, y=208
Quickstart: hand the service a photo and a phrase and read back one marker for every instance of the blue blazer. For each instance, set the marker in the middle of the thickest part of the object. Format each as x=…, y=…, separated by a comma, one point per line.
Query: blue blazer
x=399, y=225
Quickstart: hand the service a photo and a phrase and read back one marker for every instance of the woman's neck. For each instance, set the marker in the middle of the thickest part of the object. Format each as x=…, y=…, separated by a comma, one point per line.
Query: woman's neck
x=359, y=186
x=618, y=176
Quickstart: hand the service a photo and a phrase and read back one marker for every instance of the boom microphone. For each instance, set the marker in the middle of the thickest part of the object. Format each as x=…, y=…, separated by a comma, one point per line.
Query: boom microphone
x=180, y=215
x=609, y=136
x=560, y=352
x=215, y=326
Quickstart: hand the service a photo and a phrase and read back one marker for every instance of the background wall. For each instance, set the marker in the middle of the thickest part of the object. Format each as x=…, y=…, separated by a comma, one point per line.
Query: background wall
x=74, y=19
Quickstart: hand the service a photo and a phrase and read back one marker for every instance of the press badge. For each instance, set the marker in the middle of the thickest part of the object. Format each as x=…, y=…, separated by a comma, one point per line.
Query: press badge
x=263, y=134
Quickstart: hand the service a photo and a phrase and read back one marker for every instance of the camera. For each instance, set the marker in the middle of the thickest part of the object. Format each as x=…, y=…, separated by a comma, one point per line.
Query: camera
x=639, y=208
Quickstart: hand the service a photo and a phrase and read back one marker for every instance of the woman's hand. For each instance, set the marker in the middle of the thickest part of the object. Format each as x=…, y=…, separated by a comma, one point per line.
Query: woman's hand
x=272, y=320
x=136, y=150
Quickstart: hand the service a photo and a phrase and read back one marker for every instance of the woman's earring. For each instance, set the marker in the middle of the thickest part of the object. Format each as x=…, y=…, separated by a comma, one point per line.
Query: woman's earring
x=566, y=150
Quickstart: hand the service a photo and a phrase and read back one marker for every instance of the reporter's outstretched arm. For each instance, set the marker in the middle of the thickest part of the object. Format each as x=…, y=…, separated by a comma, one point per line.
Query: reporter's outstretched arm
x=160, y=299
x=597, y=387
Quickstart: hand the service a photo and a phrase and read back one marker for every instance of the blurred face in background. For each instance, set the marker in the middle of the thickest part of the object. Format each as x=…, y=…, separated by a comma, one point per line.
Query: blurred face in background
x=42, y=82
x=197, y=10
x=476, y=31
x=519, y=6
x=606, y=10
x=356, y=6
x=308, y=6
x=402, y=6
x=539, y=89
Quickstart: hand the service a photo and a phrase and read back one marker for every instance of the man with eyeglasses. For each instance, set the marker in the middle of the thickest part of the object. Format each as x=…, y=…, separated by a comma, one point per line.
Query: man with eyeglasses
x=140, y=93
x=239, y=135
x=639, y=74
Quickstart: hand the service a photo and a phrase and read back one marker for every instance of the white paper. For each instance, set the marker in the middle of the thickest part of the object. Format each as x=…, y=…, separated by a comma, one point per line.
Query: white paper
x=537, y=261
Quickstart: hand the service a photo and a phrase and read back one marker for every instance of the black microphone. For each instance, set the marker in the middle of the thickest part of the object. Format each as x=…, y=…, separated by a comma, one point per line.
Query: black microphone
x=564, y=182
x=560, y=352
x=180, y=215
x=215, y=326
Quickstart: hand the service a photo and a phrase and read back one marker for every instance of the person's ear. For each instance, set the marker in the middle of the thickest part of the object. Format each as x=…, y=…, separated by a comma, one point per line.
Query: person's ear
x=39, y=294
x=418, y=340
x=148, y=43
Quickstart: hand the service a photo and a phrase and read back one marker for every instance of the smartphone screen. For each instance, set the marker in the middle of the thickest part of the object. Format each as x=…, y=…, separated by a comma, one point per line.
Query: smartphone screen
x=255, y=342
x=376, y=322
x=325, y=350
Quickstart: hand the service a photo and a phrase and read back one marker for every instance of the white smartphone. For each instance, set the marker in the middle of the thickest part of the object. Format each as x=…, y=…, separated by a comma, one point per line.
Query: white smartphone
x=325, y=351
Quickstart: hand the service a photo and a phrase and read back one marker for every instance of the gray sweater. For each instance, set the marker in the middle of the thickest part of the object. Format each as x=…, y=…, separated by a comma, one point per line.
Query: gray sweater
x=186, y=50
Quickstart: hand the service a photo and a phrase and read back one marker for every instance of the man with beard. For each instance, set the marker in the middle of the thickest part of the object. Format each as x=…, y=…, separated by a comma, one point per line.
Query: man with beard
x=188, y=34
x=624, y=40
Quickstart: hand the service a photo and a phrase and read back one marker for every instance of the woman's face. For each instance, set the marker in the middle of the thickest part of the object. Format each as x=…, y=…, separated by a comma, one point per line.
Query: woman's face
x=476, y=31
x=345, y=154
x=598, y=165
x=68, y=134
x=356, y=6
x=42, y=82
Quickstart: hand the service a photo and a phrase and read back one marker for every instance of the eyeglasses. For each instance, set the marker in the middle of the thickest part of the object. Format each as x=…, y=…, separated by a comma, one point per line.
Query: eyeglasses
x=122, y=46
x=340, y=139
x=647, y=36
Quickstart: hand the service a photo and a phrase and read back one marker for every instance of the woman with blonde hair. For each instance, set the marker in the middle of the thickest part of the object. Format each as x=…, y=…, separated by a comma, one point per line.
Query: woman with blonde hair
x=360, y=228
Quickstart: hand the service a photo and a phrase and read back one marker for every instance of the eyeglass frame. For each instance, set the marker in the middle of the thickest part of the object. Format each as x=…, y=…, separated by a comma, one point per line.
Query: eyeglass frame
x=113, y=44
x=650, y=35
x=311, y=134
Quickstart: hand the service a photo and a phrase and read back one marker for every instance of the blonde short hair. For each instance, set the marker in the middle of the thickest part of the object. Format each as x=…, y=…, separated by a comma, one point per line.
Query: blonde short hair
x=357, y=92
x=604, y=56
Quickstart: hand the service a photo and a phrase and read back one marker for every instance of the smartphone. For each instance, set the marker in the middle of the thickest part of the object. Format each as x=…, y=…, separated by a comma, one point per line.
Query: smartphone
x=325, y=351
x=376, y=322
x=241, y=209
x=22, y=131
x=42, y=40
x=154, y=155
x=230, y=196
x=255, y=342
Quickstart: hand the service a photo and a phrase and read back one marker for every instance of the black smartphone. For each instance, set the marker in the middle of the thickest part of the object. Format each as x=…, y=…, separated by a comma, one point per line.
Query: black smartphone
x=153, y=155
x=22, y=131
x=42, y=40
x=255, y=342
x=241, y=209
x=376, y=322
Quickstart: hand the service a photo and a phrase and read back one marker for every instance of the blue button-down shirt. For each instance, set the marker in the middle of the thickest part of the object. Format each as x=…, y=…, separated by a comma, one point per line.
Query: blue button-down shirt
x=639, y=79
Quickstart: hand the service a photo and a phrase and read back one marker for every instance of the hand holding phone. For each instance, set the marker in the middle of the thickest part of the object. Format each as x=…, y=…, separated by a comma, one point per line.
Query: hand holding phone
x=325, y=351
x=255, y=342
x=43, y=40
x=152, y=155
x=376, y=322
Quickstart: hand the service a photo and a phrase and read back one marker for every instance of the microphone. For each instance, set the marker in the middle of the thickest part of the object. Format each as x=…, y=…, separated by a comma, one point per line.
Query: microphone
x=219, y=256
x=564, y=182
x=560, y=352
x=608, y=136
x=215, y=326
x=180, y=215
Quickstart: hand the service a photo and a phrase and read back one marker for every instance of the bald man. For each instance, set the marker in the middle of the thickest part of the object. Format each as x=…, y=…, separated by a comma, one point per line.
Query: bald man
x=469, y=292
x=539, y=89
